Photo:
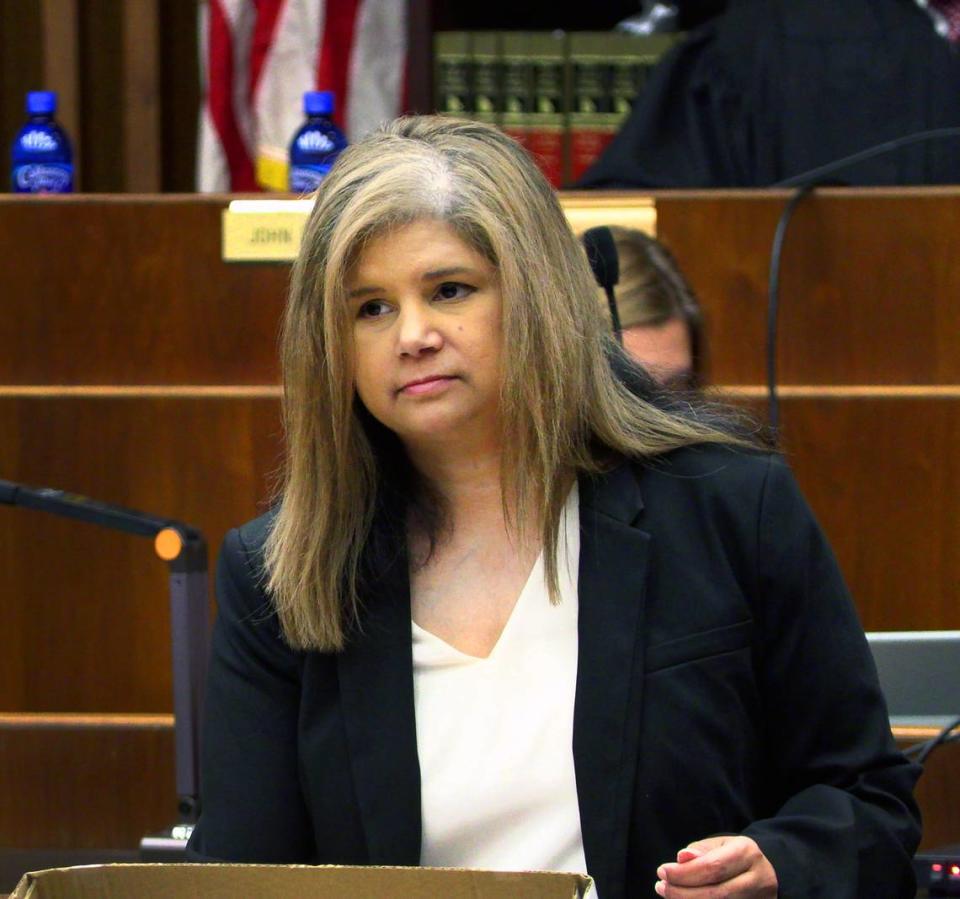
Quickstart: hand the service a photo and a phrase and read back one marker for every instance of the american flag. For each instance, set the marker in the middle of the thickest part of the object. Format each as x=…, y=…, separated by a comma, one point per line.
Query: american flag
x=259, y=56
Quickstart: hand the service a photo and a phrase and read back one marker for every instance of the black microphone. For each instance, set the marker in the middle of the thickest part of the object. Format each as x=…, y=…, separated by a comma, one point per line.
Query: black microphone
x=605, y=264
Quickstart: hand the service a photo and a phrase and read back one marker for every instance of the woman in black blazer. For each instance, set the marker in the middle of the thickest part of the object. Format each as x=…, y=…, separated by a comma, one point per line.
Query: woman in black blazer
x=449, y=398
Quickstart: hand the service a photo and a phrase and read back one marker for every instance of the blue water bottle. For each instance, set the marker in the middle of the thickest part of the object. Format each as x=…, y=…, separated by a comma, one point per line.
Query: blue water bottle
x=41, y=155
x=316, y=145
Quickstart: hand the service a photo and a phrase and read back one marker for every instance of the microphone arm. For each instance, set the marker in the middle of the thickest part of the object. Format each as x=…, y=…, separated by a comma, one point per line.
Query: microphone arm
x=184, y=549
x=82, y=508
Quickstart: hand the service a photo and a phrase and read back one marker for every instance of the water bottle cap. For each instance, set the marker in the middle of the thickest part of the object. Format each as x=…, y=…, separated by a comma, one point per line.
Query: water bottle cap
x=41, y=102
x=318, y=102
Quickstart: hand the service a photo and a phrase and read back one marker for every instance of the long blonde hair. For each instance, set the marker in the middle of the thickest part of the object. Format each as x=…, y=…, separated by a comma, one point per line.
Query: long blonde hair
x=560, y=400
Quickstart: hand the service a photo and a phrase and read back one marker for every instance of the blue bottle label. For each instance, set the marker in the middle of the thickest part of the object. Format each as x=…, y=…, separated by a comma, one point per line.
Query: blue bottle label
x=315, y=141
x=43, y=178
x=305, y=179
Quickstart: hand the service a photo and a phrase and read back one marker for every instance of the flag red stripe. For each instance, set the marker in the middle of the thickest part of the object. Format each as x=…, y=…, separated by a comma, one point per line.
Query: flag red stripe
x=336, y=47
x=268, y=12
x=220, y=99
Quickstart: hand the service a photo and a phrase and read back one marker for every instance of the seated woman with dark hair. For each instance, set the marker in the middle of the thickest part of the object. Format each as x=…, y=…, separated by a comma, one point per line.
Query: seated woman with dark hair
x=516, y=608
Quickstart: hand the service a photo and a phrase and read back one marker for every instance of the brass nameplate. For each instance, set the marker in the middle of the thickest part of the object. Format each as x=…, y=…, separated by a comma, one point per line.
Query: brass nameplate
x=587, y=210
x=262, y=236
x=271, y=230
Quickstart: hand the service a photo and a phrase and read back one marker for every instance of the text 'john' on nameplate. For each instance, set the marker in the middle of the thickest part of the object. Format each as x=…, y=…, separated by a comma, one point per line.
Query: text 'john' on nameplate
x=263, y=230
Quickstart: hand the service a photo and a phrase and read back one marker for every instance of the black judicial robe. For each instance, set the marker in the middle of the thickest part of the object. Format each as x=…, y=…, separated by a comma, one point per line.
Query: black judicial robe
x=774, y=88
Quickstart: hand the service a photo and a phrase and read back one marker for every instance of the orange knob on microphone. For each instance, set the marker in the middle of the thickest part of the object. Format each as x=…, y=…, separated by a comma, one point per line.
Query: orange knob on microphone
x=168, y=543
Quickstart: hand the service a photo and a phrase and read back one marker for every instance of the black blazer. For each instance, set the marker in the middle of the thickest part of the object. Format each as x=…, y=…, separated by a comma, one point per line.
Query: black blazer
x=724, y=685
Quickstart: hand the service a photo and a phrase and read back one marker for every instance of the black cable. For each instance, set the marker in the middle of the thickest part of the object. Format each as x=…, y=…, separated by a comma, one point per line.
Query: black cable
x=918, y=137
x=922, y=750
x=773, y=306
x=805, y=183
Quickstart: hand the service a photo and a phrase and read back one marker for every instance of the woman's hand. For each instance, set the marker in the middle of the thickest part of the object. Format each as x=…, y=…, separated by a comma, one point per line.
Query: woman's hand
x=718, y=868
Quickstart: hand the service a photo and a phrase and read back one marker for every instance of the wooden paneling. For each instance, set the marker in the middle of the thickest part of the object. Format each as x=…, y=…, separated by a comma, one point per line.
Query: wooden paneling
x=141, y=97
x=938, y=790
x=88, y=608
x=869, y=283
x=938, y=794
x=102, y=95
x=882, y=475
x=131, y=291
x=418, y=86
x=61, y=71
x=90, y=784
x=880, y=316
x=179, y=93
x=21, y=69
x=138, y=296
x=884, y=478
x=208, y=459
x=128, y=84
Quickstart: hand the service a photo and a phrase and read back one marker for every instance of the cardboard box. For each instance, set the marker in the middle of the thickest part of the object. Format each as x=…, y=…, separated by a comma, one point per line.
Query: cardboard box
x=284, y=881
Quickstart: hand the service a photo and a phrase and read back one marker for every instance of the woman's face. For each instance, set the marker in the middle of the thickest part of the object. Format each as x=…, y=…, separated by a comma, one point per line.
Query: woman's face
x=664, y=350
x=426, y=315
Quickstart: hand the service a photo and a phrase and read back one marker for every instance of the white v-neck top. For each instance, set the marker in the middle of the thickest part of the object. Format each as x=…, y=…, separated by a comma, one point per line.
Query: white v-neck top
x=495, y=734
